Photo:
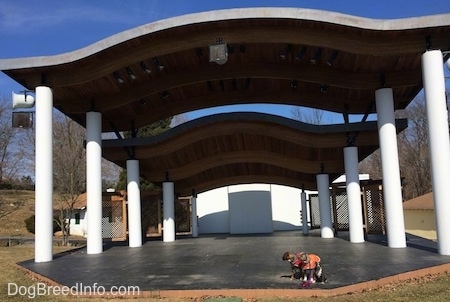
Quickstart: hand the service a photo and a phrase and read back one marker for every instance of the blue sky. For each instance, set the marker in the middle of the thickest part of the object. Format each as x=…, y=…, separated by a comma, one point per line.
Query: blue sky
x=45, y=27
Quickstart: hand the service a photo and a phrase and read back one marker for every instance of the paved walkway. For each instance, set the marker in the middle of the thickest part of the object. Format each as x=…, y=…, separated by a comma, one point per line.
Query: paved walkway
x=242, y=265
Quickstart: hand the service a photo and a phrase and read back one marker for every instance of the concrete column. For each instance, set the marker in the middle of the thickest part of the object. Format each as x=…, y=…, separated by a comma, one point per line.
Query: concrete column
x=43, y=251
x=94, y=182
x=194, y=215
x=438, y=137
x=134, y=204
x=392, y=194
x=326, y=223
x=353, y=194
x=304, y=213
x=169, y=212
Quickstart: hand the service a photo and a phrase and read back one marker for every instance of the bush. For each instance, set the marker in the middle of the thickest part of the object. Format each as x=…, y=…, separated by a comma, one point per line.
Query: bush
x=29, y=223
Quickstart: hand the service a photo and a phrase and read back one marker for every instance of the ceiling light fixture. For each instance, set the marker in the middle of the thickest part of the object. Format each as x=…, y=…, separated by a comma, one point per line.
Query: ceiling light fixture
x=199, y=52
x=317, y=56
x=286, y=51
x=131, y=74
x=332, y=58
x=294, y=84
x=118, y=78
x=300, y=53
x=218, y=53
x=145, y=68
x=164, y=94
x=158, y=64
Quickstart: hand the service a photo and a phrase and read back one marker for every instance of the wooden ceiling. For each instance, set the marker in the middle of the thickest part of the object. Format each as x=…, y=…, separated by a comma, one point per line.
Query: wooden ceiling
x=286, y=56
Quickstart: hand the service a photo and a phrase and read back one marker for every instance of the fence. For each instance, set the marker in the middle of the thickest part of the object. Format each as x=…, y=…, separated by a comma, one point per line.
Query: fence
x=372, y=206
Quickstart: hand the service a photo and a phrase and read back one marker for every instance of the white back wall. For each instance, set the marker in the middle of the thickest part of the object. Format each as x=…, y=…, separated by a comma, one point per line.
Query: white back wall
x=250, y=208
x=250, y=212
x=286, y=207
x=212, y=211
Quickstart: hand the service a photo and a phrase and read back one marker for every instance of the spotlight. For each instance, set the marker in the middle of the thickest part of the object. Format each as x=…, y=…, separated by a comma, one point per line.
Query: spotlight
x=317, y=56
x=199, y=52
x=210, y=86
x=234, y=84
x=332, y=58
x=131, y=74
x=294, y=84
x=323, y=88
x=286, y=51
x=118, y=78
x=158, y=64
x=300, y=53
x=145, y=68
x=164, y=94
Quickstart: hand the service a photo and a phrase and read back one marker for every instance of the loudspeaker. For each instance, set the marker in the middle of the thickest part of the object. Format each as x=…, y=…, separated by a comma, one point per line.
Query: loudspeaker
x=22, y=100
x=22, y=120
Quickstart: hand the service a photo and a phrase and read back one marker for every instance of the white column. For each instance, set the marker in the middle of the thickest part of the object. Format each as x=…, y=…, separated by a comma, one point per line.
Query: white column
x=169, y=212
x=326, y=223
x=438, y=137
x=392, y=194
x=353, y=194
x=94, y=182
x=43, y=246
x=194, y=215
x=134, y=204
x=304, y=213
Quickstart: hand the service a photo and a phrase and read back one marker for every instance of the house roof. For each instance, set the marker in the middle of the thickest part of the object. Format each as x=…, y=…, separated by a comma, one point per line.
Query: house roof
x=424, y=202
x=292, y=56
x=81, y=201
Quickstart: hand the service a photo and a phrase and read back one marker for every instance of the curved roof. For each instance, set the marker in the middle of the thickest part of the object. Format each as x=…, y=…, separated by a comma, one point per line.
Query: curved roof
x=243, y=147
x=291, y=56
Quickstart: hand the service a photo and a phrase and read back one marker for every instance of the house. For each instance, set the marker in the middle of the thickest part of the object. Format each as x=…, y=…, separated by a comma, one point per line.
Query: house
x=420, y=219
x=114, y=220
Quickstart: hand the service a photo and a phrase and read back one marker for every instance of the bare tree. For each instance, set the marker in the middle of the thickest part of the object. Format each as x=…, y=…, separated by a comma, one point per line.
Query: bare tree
x=308, y=115
x=69, y=168
x=414, y=152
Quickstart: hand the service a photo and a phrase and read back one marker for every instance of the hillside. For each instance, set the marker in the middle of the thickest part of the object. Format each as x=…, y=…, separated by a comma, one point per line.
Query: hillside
x=15, y=207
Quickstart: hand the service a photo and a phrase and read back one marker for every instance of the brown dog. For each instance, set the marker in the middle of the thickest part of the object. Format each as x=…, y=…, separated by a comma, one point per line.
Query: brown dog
x=294, y=260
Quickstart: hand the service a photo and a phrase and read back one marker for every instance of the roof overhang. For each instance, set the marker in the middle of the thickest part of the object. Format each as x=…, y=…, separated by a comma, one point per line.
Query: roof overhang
x=291, y=56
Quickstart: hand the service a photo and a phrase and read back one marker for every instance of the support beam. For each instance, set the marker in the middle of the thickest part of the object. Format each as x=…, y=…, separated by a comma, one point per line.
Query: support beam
x=326, y=223
x=134, y=204
x=305, y=228
x=194, y=218
x=169, y=212
x=392, y=193
x=94, y=182
x=353, y=194
x=43, y=246
x=439, y=142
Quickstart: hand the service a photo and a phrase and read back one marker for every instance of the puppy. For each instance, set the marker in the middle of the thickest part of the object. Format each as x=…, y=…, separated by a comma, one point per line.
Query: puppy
x=294, y=261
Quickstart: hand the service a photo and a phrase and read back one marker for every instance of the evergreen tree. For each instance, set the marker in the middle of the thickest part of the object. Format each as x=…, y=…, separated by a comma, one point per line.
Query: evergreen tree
x=153, y=129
